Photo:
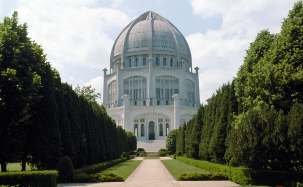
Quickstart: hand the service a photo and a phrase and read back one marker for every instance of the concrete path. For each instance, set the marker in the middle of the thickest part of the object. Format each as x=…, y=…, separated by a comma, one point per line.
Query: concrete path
x=152, y=173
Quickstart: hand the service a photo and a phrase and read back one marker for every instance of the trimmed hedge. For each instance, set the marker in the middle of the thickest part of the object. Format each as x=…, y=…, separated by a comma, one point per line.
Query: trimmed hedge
x=140, y=152
x=29, y=178
x=243, y=175
x=201, y=177
x=98, y=167
x=88, y=173
x=163, y=152
x=110, y=177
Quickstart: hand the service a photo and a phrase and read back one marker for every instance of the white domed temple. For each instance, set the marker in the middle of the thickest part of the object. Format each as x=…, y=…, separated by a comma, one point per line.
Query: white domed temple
x=151, y=88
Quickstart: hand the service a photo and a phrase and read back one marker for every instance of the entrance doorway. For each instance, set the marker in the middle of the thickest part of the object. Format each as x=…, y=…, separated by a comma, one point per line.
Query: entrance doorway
x=151, y=130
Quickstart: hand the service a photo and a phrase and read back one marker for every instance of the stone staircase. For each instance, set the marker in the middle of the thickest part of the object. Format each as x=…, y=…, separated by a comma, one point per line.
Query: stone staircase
x=151, y=145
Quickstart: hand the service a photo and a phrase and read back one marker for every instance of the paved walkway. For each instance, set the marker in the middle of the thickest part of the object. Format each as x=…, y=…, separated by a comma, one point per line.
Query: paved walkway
x=152, y=173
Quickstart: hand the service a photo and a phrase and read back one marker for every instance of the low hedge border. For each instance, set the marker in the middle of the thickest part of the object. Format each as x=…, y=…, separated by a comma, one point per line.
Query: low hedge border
x=47, y=178
x=88, y=173
x=98, y=167
x=243, y=176
x=201, y=177
x=110, y=177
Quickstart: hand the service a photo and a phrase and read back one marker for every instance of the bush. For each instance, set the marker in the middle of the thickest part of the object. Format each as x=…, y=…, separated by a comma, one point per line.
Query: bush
x=237, y=174
x=242, y=175
x=66, y=169
x=268, y=177
x=29, y=178
x=85, y=177
x=141, y=152
x=163, y=152
x=201, y=177
x=125, y=155
x=110, y=177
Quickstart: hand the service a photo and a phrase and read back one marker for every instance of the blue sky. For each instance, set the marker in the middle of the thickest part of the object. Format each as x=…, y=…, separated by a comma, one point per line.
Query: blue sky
x=77, y=35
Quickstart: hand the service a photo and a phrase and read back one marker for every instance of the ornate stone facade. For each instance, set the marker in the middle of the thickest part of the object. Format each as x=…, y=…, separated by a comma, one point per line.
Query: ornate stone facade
x=151, y=88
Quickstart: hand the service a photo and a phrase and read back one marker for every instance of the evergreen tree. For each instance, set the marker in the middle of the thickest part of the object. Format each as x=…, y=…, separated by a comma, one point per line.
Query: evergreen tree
x=295, y=136
x=19, y=84
x=171, y=141
x=45, y=119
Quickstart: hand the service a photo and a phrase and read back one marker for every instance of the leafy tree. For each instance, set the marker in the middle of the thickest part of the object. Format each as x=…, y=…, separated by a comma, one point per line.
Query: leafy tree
x=19, y=85
x=43, y=118
x=251, y=79
x=295, y=136
x=88, y=93
x=256, y=121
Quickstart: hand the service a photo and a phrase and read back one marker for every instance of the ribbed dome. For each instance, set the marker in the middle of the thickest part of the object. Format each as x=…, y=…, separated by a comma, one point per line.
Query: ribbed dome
x=150, y=33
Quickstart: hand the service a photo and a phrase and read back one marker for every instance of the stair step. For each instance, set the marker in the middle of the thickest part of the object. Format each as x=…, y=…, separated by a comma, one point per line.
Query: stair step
x=151, y=145
x=152, y=154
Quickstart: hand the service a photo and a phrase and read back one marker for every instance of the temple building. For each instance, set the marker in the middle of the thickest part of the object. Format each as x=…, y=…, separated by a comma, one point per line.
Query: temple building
x=151, y=87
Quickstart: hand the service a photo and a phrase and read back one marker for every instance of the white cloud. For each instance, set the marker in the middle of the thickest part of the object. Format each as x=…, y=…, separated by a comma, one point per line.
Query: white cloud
x=75, y=34
x=219, y=53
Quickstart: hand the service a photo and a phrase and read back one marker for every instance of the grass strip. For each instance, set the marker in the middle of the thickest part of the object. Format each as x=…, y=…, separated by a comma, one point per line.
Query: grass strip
x=177, y=168
x=121, y=170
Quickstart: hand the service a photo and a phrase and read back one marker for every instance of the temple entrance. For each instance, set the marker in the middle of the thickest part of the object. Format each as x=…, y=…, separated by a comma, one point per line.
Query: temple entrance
x=151, y=130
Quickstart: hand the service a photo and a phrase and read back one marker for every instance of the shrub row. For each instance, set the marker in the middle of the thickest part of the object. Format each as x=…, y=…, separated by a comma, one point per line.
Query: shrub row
x=88, y=173
x=242, y=175
x=29, y=178
x=110, y=177
x=201, y=177
x=238, y=175
x=98, y=167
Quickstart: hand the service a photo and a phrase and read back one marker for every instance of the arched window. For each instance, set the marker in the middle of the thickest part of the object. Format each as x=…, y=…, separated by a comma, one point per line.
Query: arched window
x=142, y=130
x=166, y=129
x=157, y=61
x=160, y=129
x=144, y=61
x=112, y=92
x=136, y=130
x=164, y=61
x=136, y=61
x=129, y=62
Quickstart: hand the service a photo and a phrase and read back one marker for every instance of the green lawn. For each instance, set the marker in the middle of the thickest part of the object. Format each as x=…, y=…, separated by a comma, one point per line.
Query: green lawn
x=123, y=169
x=177, y=168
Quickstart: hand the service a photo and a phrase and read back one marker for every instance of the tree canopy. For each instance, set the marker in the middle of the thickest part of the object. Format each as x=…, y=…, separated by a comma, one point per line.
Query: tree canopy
x=256, y=120
x=43, y=119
